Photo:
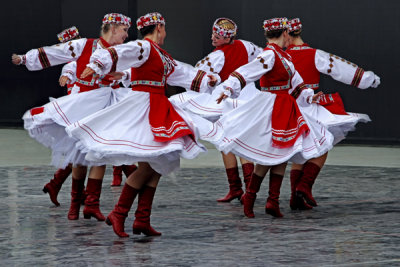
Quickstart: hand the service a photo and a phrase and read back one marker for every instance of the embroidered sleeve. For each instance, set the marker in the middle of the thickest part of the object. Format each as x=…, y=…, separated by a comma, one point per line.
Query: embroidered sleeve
x=69, y=70
x=238, y=76
x=343, y=70
x=300, y=91
x=188, y=77
x=297, y=91
x=252, y=50
x=197, y=81
x=114, y=58
x=120, y=57
x=212, y=63
x=47, y=56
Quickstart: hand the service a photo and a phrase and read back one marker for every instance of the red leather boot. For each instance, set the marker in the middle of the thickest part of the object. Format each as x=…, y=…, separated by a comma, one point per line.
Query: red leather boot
x=235, y=185
x=250, y=196
x=76, y=196
x=247, y=169
x=117, y=217
x=117, y=176
x=143, y=211
x=295, y=201
x=54, y=186
x=128, y=169
x=303, y=189
x=92, y=202
x=272, y=206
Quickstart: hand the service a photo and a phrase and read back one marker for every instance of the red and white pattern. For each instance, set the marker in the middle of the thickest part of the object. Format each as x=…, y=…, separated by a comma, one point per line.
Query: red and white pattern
x=150, y=19
x=275, y=24
x=271, y=128
x=116, y=18
x=144, y=126
x=226, y=33
x=294, y=25
x=68, y=34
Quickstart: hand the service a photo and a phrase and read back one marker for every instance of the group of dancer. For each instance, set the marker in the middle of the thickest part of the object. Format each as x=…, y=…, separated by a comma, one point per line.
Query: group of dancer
x=101, y=123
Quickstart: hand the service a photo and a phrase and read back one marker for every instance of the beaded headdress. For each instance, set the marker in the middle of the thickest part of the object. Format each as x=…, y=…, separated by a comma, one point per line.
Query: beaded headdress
x=116, y=18
x=225, y=27
x=275, y=24
x=150, y=19
x=68, y=34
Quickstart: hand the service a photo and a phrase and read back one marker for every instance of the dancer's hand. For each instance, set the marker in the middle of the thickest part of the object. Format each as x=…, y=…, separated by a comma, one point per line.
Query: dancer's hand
x=212, y=80
x=64, y=80
x=377, y=81
x=86, y=72
x=115, y=76
x=316, y=97
x=221, y=97
x=15, y=59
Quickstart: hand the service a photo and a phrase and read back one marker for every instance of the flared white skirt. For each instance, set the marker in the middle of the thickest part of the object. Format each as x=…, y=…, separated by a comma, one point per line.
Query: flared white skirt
x=121, y=134
x=338, y=125
x=247, y=132
x=48, y=127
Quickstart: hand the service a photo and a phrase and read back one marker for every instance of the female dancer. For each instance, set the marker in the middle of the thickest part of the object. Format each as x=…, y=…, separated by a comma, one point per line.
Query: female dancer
x=144, y=127
x=270, y=129
x=68, y=78
x=47, y=124
x=228, y=55
x=310, y=63
x=53, y=187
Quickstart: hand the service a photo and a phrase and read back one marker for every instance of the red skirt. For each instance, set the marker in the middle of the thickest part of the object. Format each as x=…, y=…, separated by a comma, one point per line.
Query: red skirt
x=333, y=103
x=287, y=121
x=166, y=124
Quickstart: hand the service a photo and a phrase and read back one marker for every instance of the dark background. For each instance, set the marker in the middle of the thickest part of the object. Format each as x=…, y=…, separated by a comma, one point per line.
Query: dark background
x=365, y=32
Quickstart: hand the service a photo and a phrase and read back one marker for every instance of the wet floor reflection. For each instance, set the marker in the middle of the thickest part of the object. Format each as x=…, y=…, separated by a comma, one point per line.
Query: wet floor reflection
x=357, y=222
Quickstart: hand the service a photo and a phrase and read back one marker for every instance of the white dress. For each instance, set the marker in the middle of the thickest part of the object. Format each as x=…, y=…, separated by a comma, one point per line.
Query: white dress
x=122, y=133
x=47, y=124
x=204, y=103
x=248, y=130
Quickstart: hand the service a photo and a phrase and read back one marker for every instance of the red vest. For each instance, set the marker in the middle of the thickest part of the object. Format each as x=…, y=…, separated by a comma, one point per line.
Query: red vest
x=90, y=82
x=303, y=58
x=280, y=77
x=166, y=124
x=155, y=71
x=235, y=56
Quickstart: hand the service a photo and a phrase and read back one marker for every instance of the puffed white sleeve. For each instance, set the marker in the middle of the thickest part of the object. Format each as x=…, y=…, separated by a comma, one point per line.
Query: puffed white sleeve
x=344, y=71
x=69, y=70
x=252, y=50
x=47, y=56
x=212, y=63
x=120, y=57
x=250, y=72
x=190, y=78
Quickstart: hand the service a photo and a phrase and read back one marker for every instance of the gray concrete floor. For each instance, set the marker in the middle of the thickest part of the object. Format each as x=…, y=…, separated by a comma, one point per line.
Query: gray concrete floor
x=357, y=222
x=18, y=149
